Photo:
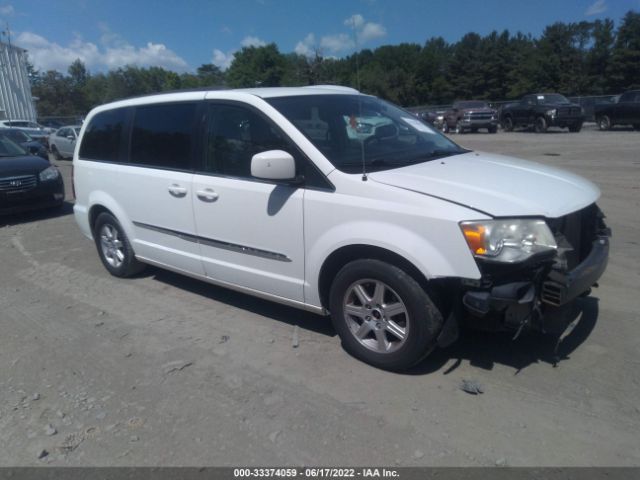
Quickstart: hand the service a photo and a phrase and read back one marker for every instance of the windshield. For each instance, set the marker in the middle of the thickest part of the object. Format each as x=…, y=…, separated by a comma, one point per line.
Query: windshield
x=9, y=148
x=354, y=129
x=475, y=104
x=552, y=99
x=17, y=136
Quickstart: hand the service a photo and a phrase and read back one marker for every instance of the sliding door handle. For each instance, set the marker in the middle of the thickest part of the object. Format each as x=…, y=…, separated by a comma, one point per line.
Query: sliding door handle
x=207, y=195
x=177, y=191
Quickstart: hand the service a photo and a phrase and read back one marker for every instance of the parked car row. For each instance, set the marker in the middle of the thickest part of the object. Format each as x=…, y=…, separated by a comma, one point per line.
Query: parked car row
x=38, y=140
x=538, y=111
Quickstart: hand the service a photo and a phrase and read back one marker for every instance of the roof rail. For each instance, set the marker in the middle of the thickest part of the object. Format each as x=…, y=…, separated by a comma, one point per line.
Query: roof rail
x=338, y=88
x=179, y=90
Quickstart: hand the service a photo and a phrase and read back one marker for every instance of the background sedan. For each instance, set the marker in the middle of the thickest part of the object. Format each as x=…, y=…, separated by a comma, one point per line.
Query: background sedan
x=63, y=142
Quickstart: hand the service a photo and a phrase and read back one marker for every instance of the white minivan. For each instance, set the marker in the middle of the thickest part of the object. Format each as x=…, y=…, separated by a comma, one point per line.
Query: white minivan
x=396, y=231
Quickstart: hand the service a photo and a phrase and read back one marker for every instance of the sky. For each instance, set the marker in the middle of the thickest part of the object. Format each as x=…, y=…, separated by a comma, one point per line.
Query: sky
x=182, y=35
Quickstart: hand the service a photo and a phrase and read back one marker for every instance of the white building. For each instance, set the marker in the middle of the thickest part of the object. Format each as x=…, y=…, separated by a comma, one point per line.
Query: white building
x=16, y=102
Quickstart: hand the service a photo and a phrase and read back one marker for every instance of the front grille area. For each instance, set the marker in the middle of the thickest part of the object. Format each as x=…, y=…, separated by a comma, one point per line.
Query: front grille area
x=568, y=111
x=480, y=116
x=17, y=184
x=576, y=232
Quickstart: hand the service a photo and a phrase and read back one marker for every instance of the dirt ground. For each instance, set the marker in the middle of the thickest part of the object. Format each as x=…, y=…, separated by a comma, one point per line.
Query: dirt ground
x=165, y=370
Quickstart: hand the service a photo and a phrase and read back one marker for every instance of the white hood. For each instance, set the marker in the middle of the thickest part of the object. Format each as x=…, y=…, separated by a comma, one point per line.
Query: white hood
x=495, y=184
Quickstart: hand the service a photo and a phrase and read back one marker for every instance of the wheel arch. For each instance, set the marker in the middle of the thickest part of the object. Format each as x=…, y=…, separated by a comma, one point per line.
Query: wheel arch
x=348, y=253
x=94, y=212
x=99, y=202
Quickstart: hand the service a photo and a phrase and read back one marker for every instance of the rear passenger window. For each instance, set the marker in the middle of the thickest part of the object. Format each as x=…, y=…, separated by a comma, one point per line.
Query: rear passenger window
x=162, y=135
x=101, y=139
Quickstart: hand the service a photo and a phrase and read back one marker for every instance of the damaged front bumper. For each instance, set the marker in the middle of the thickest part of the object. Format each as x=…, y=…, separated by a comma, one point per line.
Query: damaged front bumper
x=532, y=295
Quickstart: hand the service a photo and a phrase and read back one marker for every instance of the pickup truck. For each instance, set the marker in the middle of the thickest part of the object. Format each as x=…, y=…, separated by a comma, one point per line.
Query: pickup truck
x=470, y=115
x=541, y=111
x=626, y=111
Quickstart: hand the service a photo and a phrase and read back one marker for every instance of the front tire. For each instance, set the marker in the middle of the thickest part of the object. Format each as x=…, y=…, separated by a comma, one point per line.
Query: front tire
x=445, y=127
x=114, y=248
x=575, y=128
x=383, y=316
x=492, y=129
x=604, y=123
x=507, y=124
x=459, y=128
x=56, y=153
x=540, y=125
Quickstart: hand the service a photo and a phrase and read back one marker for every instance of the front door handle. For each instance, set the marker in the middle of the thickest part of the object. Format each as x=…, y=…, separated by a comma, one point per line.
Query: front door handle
x=177, y=191
x=207, y=195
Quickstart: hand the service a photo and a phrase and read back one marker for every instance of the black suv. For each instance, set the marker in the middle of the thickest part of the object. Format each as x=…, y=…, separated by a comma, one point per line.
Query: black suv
x=541, y=111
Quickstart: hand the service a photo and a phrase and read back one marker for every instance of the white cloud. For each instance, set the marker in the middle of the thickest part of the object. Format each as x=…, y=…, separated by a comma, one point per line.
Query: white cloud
x=7, y=10
x=224, y=60
x=362, y=32
x=114, y=52
x=153, y=54
x=337, y=43
x=251, y=41
x=221, y=59
x=355, y=21
x=307, y=46
x=371, y=31
x=597, y=7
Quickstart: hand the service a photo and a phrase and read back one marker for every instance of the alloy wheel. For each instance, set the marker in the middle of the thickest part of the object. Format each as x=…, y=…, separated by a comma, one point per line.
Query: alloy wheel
x=112, y=247
x=376, y=316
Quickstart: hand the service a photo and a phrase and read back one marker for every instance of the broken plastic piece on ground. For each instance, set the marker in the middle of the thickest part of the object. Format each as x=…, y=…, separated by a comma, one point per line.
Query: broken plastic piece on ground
x=471, y=386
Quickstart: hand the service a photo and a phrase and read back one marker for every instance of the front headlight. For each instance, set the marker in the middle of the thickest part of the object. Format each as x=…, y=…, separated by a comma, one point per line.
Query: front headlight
x=552, y=112
x=48, y=174
x=508, y=240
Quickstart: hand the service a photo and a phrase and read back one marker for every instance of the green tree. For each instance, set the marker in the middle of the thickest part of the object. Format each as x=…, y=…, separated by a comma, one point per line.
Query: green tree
x=521, y=77
x=210, y=75
x=625, y=59
x=599, y=56
x=54, y=93
x=432, y=69
x=78, y=79
x=257, y=67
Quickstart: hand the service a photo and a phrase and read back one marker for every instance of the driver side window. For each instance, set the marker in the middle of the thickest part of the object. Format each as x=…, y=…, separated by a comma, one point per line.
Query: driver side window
x=235, y=134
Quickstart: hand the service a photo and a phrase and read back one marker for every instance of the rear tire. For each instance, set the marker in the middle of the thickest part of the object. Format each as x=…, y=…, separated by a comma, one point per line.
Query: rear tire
x=540, y=125
x=114, y=248
x=445, y=127
x=459, y=128
x=382, y=315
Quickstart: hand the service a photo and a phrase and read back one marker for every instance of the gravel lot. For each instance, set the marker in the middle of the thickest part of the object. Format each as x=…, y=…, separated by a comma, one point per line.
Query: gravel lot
x=165, y=370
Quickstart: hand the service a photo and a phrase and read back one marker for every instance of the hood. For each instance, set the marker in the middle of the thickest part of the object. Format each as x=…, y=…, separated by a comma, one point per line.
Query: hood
x=496, y=185
x=25, y=165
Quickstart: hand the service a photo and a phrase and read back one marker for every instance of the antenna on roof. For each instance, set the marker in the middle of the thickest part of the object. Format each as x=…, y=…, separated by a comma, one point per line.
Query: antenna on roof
x=355, y=43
